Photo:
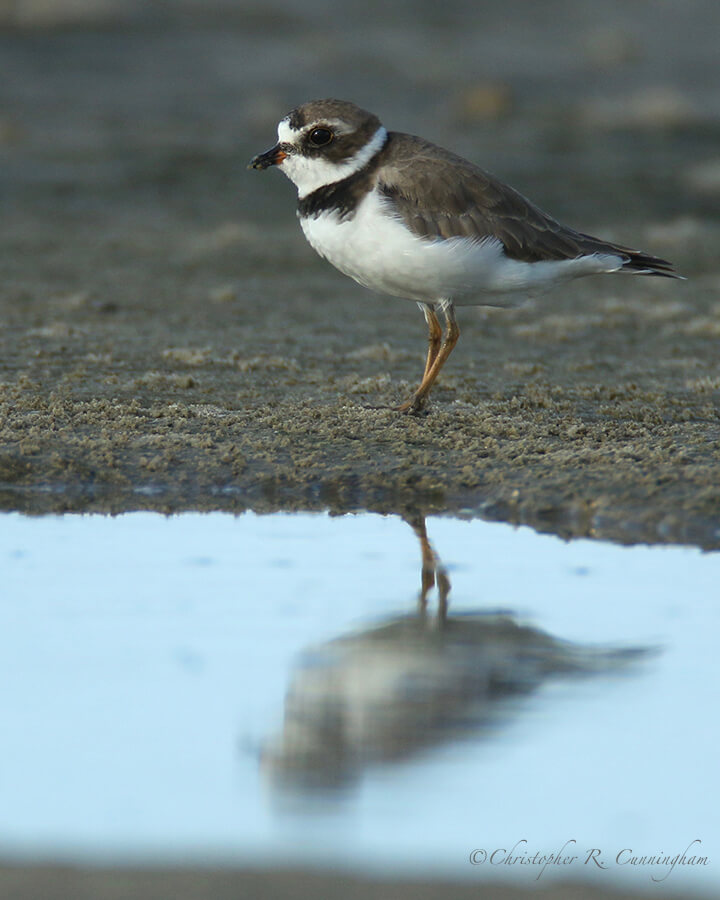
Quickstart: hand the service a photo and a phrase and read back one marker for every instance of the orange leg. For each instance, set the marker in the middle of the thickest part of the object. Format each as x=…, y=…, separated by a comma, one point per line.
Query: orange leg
x=452, y=333
x=434, y=336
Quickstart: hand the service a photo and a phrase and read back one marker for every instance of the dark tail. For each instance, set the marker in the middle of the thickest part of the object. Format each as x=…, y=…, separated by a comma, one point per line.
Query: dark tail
x=640, y=263
x=634, y=261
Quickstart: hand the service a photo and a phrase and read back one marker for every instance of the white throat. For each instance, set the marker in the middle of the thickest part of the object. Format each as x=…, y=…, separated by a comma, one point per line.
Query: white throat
x=311, y=173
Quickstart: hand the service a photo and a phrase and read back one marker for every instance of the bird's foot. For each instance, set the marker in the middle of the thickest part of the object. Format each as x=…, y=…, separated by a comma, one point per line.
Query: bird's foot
x=414, y=406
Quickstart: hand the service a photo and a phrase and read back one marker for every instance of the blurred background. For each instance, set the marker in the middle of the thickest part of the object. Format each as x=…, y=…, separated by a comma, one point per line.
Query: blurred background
x=116, y=109
x=126, y=127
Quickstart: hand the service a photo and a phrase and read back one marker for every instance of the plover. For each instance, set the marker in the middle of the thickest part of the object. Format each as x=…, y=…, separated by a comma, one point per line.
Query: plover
x=407, y=218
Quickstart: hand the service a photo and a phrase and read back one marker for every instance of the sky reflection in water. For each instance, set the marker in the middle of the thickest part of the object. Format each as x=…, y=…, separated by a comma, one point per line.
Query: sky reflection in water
x=266, y=688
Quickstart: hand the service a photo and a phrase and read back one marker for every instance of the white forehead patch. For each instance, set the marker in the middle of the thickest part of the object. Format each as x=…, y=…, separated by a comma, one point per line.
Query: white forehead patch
x=286, y=134
x=309, y=173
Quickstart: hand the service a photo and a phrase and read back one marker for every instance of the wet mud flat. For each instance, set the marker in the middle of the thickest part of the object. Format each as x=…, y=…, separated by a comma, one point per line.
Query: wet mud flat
x=595, y=413
x=170, y=342
x=58, y=883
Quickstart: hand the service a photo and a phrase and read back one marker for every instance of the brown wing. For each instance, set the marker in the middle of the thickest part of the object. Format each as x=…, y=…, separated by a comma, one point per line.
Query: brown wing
x=440, y=195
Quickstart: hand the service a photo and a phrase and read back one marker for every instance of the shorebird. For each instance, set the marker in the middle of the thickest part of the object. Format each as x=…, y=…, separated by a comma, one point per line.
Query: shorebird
x=405, y=217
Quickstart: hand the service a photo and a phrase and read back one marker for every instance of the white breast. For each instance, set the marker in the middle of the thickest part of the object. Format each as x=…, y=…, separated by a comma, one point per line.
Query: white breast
x=378, y=251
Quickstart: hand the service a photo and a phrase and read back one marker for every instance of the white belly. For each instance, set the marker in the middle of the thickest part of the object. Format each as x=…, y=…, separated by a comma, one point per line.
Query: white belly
x=378, y=251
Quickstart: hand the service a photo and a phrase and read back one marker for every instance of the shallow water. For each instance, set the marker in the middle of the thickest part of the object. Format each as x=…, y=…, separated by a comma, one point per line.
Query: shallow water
x=267, y=689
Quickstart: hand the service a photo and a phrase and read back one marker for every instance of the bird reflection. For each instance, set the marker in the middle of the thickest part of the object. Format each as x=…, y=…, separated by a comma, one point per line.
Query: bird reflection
x=415, y=681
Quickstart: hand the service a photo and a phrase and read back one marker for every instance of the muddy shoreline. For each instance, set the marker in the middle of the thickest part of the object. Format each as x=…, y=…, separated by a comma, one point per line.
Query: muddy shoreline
x=623, y=447
x=168, y=341
x=58, y=883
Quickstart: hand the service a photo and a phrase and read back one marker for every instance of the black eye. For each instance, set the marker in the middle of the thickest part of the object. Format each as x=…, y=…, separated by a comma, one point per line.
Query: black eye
x=318, y=137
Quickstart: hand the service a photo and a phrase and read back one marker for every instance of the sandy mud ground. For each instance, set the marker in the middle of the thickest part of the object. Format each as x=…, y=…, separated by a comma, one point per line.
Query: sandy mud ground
x=197, y=884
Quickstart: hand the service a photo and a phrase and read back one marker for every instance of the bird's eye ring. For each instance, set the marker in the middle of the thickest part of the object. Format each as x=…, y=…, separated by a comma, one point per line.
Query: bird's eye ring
x=319, y=137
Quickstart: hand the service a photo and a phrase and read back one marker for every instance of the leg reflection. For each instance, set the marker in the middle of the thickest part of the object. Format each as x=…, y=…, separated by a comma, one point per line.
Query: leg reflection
x=433, y=571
